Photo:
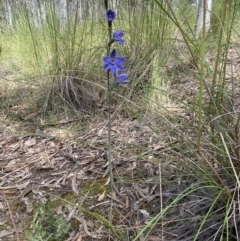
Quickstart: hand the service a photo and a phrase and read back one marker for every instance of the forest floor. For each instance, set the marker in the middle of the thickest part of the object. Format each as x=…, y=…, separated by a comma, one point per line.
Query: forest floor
x=46, y=164
x=65, y=166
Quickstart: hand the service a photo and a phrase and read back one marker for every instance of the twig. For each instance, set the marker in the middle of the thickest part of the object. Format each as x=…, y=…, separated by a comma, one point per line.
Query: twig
x=215, y=172
x=237, y=150
x=11, y=216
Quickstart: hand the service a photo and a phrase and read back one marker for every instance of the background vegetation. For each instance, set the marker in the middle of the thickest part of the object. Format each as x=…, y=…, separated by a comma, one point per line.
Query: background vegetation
x=186, y=90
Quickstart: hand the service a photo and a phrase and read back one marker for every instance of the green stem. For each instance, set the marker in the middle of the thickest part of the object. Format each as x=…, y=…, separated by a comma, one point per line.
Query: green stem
x=110, y=35
x=106, y=4
x=109, y=118
x=110, y=142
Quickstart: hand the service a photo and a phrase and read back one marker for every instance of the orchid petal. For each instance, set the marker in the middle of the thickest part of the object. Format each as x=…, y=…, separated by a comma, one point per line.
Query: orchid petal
x=107, y=60
x=120, y=60
x=122, y=79
x=118, y=35
x=119, y=68
x=113, y=54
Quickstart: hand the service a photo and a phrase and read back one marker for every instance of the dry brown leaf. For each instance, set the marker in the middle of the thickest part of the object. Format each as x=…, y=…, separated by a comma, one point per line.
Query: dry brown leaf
x=139, y=190
x=2, y=223
x=101, y=196
x=28, y=204
x=91, y=234
x=5, y=233
x=12, y=164
x=107, y=182
x=74, y=183
x=131, y=168
x=65, y=120
x=115, y=198
x=59, y=210
x=107, y=163
x=23, y=185
x=84, y=162
x=80, y=238
x=30, y=142
x=153, y=238
x=100, y=132
x=127, y=202
x=81, y=174
x=145, y=213
x=71, y=214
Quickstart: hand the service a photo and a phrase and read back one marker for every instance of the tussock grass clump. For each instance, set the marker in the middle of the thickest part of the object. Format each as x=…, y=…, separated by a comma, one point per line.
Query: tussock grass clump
x=206, y=141
x=64, y=55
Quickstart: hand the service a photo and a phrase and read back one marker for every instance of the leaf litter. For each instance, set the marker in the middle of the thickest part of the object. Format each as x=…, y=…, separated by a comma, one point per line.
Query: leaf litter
x=41, y=167
x=37, y=169
x=34, y=167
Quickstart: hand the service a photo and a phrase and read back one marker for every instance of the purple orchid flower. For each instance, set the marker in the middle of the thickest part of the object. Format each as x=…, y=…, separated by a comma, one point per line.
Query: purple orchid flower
x=113, y=62
x=122, y=78
x=110, y=15
x=118, y=35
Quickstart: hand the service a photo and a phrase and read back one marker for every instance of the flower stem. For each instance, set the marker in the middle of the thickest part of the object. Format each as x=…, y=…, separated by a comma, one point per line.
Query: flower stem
x=106, y=4
x=109, y=118
x=110, y=143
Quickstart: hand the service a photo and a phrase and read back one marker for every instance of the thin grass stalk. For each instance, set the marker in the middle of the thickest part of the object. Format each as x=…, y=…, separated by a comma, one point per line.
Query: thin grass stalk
x=186, y=38
x=130, y=28
x=32, y=37
x=161, y=197
x=226, y=222
x=151, y=224
x=230, y=160
x=228, y=23
x=235, y=213
x=232, y=204
x=225, y=17
x=73, y=35
x=237, y=150
x=208, y=213
x=215, y=172
x=202, y=56
x=53, y=25
x=217, y=61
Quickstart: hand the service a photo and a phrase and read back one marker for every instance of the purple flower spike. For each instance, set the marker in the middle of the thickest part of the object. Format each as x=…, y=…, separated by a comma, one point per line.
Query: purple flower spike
x=122, y=79
x=110, y=15
x=113, y=62
x=118, y=35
